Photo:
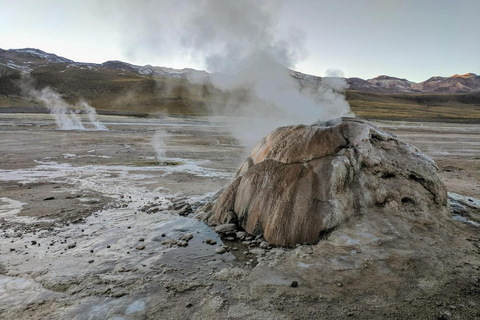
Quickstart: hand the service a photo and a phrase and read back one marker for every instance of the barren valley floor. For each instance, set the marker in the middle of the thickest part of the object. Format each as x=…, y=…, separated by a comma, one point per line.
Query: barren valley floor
x=84, y=216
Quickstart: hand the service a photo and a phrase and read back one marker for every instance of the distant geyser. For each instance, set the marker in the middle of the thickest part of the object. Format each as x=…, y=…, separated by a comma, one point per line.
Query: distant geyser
x=302, y=181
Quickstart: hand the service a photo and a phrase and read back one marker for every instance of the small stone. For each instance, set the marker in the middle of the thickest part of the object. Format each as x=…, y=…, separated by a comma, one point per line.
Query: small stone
x=220, y=250
x=208, y=241
x=34, y=242
x=91, y=261
x=264, y=244
x=258, y=251
x=108, y=247
x=12, y=249
x=49, y=198
x=141, y=239
x=187, y=237
x=71, y=246
x=182, y=243
x=241, y=235
x=189, y=305
x=163, y=234
x=140, y=247
x=294, y=284
x=226, y=228
x=91, y=251
x=339, y=284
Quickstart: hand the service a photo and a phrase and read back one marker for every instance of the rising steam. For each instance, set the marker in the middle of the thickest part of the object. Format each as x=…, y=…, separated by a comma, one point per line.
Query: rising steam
x=241, y=44
x=65, y=115
x=159, y=144
x=92, y=115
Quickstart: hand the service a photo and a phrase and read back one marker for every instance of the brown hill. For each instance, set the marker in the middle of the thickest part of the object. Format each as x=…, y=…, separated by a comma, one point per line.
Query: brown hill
x=116, y=86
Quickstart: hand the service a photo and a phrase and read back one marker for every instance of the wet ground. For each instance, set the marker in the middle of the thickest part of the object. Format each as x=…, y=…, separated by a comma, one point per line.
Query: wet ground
x=85, y=218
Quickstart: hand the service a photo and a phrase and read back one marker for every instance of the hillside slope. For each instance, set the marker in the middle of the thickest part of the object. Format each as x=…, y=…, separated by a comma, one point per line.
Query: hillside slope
x=119, y=87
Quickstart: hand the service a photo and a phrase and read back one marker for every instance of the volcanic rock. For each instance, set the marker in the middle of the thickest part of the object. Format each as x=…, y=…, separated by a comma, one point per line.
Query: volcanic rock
x=187, y=237
x=220, y=250
x=226, y=228
x=300, y=182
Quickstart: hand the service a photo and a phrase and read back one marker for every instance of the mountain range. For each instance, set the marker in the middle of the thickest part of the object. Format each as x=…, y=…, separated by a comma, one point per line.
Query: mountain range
x=116, y=87
x=27, y=60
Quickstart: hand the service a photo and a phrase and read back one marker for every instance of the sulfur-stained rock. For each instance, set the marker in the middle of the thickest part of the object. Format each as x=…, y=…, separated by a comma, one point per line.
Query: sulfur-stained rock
x=302, y=181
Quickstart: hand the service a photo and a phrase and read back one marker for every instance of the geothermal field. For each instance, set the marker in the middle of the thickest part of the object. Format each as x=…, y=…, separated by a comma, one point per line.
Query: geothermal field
x=107, y=222
x=254, y=159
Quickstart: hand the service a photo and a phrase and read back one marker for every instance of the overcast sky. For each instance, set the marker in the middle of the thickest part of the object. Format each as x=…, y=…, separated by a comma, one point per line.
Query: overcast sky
x=364, y=38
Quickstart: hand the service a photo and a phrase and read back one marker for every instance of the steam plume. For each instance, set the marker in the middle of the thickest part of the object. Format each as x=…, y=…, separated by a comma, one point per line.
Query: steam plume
x=92, y=115
x=65, y=115
x=159, y=143
x=241, y=43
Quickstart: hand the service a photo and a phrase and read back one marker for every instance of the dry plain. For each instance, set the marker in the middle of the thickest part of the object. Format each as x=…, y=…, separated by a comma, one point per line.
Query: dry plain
x=83, y=215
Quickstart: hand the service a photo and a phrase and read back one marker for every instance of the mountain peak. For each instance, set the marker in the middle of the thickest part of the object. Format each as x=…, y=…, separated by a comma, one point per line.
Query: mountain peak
x=464, y=76
x=50, y=57
x=385, y=77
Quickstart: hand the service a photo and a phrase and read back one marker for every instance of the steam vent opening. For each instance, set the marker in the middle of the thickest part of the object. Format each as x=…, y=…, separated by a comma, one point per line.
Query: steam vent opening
x=302, y=181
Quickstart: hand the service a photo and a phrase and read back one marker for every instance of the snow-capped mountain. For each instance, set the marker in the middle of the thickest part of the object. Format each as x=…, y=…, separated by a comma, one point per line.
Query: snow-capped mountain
x=28, y=59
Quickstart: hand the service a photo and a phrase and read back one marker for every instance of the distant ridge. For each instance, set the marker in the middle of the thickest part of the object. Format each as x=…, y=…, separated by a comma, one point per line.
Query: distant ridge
x=27, y=60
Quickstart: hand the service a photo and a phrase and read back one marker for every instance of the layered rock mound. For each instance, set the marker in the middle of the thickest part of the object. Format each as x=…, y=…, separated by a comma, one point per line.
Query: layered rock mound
x=302, y=181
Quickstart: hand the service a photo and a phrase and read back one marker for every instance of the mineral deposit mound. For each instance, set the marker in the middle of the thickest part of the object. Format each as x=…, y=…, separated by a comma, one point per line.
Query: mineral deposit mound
x=300, y=182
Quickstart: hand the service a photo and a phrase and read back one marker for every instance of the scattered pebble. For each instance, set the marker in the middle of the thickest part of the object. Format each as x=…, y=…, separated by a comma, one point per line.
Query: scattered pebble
x=187, y=237
x=264, y=244
x=140, y=247
x=294, y=284
x=220, y=250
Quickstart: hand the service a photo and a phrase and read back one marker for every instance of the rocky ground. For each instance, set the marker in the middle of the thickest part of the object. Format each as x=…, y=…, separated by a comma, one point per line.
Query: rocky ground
x=93, y=227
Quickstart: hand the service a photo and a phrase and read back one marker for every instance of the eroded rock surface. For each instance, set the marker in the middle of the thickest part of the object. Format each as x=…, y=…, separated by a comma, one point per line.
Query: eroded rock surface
x=302, y=181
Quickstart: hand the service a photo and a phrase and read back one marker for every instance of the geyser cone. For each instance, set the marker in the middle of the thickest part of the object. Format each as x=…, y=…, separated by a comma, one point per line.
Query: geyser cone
x=302, y=181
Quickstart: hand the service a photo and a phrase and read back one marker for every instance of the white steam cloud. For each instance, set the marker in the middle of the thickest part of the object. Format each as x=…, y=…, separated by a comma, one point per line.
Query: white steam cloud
x=242, y=45
x=159, y=144
x=66, y=116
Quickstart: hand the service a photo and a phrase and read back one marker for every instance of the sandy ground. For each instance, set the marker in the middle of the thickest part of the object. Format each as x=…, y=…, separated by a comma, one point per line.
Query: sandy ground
x=83, y=215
